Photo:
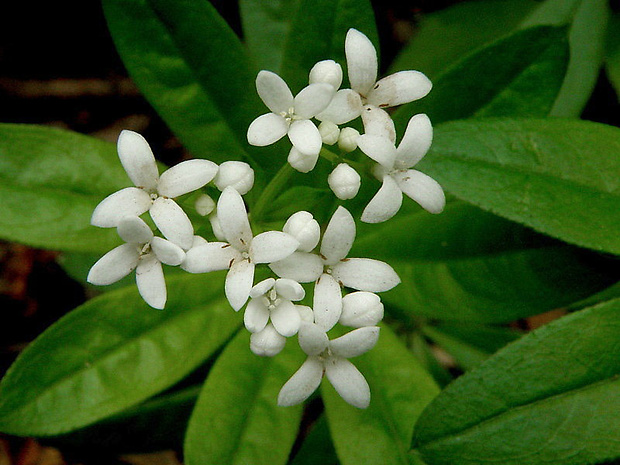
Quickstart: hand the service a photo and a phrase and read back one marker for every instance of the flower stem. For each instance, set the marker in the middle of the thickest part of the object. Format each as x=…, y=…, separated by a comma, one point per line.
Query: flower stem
x=271, y=190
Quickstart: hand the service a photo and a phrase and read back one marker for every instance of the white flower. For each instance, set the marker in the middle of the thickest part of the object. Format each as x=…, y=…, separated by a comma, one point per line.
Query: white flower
x=395, y=173
x=241, y=252
x=142, y=252
x=362, y=66
x=153, y=193
x=289, y=115
x=330, y=358
x=236, y=174
x=332, y=264
x=344, y=181
x=273, y=300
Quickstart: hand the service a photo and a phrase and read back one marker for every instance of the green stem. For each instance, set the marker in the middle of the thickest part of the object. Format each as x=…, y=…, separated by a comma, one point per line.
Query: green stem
x=271, y=191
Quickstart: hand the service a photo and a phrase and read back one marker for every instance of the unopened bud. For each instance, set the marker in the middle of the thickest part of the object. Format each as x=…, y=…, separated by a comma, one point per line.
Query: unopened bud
x=301, y=162
x=236, y=174
x=361, y=309
x=344, y=181
x=329, y=132
x=347, y=140
x=303, y=227
x=327, y=71
x=204, y=205
x=267, y=342
x=216, y=226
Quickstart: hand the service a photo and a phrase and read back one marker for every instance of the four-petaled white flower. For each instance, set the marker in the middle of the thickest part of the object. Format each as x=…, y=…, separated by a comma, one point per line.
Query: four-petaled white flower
x=143, y=252
x=289, y=115
x=153, y=193
x=362, y=66
x=394, y=170
x=330, y=358
x=242, y=251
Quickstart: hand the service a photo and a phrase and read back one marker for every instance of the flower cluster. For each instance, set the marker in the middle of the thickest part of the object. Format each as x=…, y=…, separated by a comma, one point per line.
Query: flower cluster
x=323, y=100
x=308, y=264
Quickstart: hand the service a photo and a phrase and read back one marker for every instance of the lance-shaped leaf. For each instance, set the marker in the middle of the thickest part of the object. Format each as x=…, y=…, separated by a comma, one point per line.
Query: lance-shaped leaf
x=192, y=68
x=553, y=397
x=400, y=389
x=558, y=176
x=519, y=75
x=112, y=353
x=237, y=419
x=50, y=182
x=612, y=52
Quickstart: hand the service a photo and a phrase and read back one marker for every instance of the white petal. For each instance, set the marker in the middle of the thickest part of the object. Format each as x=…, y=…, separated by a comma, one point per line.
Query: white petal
x=305, y=136
x=338, y=237
x=344, y=107
x=272, y=246
x=267, y=342
x=348, y=382
x=213, y=256
x=378, y=122
x=303, y=227
x=356, y=342
x=167, y=252
x=302, y=162
x=289, y=289
x=302, y=384
x=415, y=143
x=262, y=288
x=216, y=227
x=238, y=283
x=399, y=88
x=301, y=266
x=198, y=241
x=274, y=92
x=172, y=221
x=256, y=316
x=138, y=160
x=365, y=274
x=134, y=230
x=312, y=338
x=313, y=99
x=379, y=148
x=114, y=265
x=423, y=189
x=361, y=309
x=150, y=281
x=234, y=219
x=327, y=303
x=130, y=201
x=286, y=318
x=327, y=71
x=236, y=174
x=361, y=61
x=385, y=204
x=267, y=129
x=186, y=177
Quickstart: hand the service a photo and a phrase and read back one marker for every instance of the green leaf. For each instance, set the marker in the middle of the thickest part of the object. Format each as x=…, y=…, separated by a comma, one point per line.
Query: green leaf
x=552, y=397
x=50, y=182
x=588, y=24
x=266, y=24
x=112, y=353
x=192, y=68
x=612, y=52
x=470, y=265
x=317, y=33
x=317, y=446
x=237, y=419
x=519, y=75
x=400, y=390
x=446, y=36
x=557, y=176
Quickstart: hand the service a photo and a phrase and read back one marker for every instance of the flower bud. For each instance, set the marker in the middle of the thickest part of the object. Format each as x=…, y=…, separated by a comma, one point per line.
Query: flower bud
x=329, y=132
x=236, y=174
x=267, y=342
x=347, y=140
x=361, y=309
x=216, y=226
x=306, y=313
x=327, y=71
x=344, y=181
x=303, y=227
x=204, y=205
x=301, y=162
